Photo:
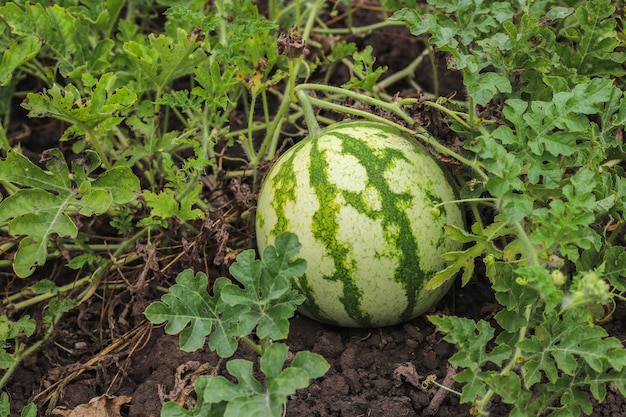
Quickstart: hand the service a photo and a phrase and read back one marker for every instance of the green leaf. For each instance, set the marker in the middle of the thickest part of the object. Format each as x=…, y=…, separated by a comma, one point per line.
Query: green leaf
x=279, y=259
x=45, y=286
x=6, y=360
x=233, y=311
x=472, y=337
x=56, y=308
x=266, y=300
x=540, y=362
x=93, y=201
x=164, y=58
x=248, y=396
x=41, y=210
x=314, y=364
x=18, y=169
x=19, y=52
x=30, y=410
x=584, y=343
x=474, y=387
x=614, y=264
x=484, y=87
x=464, y=260
x=192, y=312
x=25, y=325
x=65, y=36
x=166, y=204
x=5, y=406
x=215, y=84
x=594, y=52
x=365, y=74
x=598, y=383
x=98, y=108
x=282, y=383
x=508, y=387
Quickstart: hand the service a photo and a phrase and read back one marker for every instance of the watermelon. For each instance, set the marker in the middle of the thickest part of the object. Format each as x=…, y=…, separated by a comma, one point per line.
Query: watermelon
x=360, y=198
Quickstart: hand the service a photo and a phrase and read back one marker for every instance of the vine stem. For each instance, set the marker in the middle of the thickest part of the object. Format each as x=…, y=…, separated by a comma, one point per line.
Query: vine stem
x=309, y=113
x=11, y=369
x=391, y=107
x=531, y=253
x=90, y=279
x=394, y=108
x=269, y=145
x=407, y=71
x=4, y=140
x=364, y=30
x=256, y=348
x=93, y=138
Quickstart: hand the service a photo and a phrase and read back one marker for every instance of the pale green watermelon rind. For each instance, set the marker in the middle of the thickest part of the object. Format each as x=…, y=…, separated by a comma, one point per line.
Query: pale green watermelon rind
x=306, y=166
x=391, y=214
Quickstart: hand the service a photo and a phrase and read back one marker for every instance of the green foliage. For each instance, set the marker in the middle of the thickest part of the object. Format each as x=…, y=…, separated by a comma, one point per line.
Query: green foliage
x=19, y=332
x=98, y=109
x=5, y=407
x=44, y=207
x=550, y=163
x=262, y=304
x=93, y=114
x=472, y=33
x=265, y=301
x=60, y=33
x=565, y=349
x=365, y=75
x=218, y=396
x=10, y=330
x=164, y=58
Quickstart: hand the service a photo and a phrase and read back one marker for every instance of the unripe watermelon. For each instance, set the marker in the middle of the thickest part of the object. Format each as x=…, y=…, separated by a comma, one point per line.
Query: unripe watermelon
x=359, y=196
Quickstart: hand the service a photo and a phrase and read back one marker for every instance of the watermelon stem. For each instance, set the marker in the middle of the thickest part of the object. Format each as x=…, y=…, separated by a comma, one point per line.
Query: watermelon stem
x=391, y=107
x=255, y=347
x=269, y=145
x=309, y=113
x=466, y=200
x=533, y=260
x=395, y=108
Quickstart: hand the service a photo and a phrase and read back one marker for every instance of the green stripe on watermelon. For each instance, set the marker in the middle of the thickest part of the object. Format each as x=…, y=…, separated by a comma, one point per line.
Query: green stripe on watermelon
x=370, y=240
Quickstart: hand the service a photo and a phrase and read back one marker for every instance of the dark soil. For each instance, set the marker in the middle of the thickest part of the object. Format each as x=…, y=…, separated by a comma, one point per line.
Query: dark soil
x=105, y=346
x=374, y=372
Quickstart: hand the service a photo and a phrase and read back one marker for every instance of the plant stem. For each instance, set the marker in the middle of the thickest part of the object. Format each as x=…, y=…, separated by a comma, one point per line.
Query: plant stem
x=363, y=30
x=93, y=138
x=309, y=114
x=531, y=252
x=433, y=68
x=422, y=134
x=408, y=71
x=391, y=107
x=18, y=359
x=90, y=279
x=4, y=141
x=269, y=145
x=257, y=348
x=466, y=200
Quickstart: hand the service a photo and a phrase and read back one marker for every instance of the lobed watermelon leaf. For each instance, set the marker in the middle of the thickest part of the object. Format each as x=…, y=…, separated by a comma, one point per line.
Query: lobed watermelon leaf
x=218, y=396
x=265, y=301
x=98, y=109
x=55, y=31
x=191, y=311
x=166, y=58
